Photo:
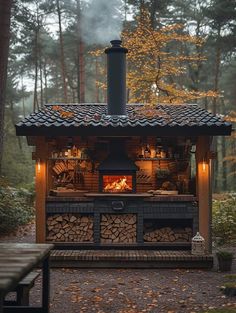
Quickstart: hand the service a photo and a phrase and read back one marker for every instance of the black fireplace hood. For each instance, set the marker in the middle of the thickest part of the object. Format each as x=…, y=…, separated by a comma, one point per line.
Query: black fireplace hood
x=117, y=163
x=117, y=159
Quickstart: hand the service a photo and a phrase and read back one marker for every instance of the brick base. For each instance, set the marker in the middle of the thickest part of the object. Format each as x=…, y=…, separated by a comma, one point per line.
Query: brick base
x=129, y=259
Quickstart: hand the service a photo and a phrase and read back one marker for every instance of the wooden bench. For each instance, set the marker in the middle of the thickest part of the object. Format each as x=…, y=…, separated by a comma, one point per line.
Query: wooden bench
x=22, y=290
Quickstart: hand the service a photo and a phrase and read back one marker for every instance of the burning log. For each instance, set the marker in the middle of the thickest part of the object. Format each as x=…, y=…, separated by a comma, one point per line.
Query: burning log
x=118, y=228
x=70, y=227
x=119, y=185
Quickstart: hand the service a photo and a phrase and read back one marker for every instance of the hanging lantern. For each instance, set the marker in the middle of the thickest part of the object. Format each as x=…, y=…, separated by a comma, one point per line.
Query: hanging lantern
x=198, y=245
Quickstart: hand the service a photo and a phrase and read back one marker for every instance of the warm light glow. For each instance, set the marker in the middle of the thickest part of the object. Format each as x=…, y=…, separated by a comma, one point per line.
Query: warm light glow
x=204, y=166
x=38, y=166
x=117, y=183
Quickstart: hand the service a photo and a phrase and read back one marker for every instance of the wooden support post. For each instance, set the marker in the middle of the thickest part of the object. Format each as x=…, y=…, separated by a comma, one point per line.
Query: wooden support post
x=41, y=188
x=204, y=188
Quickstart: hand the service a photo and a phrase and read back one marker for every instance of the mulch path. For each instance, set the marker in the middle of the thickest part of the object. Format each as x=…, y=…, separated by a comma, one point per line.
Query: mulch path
x=130, y=290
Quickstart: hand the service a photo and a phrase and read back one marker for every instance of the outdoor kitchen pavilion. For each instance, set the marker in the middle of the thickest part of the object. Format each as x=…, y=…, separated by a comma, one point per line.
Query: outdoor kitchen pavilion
x=110, y=175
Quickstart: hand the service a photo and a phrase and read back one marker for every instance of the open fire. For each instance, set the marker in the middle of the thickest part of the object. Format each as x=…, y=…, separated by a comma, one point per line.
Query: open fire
x=117, y=183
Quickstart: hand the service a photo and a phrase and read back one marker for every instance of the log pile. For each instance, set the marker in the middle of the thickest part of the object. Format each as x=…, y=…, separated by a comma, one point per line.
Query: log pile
x=118, y=228
x=168, y=234
x=70, y=227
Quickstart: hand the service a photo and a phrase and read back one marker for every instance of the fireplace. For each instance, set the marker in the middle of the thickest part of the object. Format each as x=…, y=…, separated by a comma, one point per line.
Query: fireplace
x=117, y=183
x=117, y=173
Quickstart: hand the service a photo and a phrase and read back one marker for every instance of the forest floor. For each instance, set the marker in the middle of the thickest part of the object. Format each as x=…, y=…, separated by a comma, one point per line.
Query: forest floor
x=130, y=290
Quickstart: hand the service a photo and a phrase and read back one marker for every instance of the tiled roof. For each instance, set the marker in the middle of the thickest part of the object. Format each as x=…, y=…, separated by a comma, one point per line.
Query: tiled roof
x=94, y=116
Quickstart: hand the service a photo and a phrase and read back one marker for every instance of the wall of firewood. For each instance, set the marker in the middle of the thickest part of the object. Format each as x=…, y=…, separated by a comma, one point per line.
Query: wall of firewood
x=114, y=229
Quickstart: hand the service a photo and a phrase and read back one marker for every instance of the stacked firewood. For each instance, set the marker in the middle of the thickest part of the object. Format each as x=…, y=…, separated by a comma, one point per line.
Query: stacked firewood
x=167, y=234
x=70, y=227
x=118, y=228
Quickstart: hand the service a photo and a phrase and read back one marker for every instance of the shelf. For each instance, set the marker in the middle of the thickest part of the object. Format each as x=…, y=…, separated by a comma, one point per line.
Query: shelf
x=160, y=159
x=68, y=159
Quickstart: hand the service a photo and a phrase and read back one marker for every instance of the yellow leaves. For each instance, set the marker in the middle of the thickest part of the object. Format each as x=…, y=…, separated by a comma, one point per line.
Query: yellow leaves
x=96, y=290
x=231, y=117
x=97, y=52
x=157, y=63
x=154, y=65
x=150, y=111
x=56, y=108
x=97, y=299
x=63, y=114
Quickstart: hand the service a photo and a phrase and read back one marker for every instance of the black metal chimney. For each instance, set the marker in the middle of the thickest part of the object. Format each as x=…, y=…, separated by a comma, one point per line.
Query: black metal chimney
x=116, y=78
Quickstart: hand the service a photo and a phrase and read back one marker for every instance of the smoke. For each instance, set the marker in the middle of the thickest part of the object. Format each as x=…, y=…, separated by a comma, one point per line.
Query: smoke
x=101, y=21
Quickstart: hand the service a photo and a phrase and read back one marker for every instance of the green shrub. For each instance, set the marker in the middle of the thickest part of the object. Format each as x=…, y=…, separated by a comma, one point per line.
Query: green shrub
x=226, y=255
x=230, y=277
x=224, y=219
x=16, y=207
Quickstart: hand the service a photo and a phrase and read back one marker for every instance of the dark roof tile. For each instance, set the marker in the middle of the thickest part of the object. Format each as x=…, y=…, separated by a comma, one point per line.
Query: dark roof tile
x=96, y=115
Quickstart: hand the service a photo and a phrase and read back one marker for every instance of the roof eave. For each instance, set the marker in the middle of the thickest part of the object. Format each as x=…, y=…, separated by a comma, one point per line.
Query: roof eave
x=204, y=130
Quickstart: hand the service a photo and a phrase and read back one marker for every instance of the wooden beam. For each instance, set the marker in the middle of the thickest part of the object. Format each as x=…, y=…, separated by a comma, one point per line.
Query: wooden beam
x=41, y=188
x=204, y=191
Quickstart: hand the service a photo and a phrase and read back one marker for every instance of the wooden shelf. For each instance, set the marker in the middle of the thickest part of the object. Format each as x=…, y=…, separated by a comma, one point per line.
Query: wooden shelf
x=68, y=159
x=160, y=159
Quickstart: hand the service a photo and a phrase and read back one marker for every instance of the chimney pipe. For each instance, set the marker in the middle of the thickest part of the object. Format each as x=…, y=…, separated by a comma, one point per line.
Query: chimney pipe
x=116, y=78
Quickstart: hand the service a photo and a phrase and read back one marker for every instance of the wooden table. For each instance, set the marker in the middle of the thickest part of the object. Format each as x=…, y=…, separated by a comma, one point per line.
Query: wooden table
x=16, y=261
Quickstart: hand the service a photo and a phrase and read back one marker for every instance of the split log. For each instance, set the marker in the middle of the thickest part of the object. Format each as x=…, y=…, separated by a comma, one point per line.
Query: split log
x=167, y=234
x=70, y=228
x=118, y=228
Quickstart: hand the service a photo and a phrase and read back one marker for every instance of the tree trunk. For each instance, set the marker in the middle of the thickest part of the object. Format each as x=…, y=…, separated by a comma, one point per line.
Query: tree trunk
x=62, y=56
x=217, y=68
x=45, y=74
x=35, y=102
x=5, y=15
x=96, y=80
x=233, y=164
x=41, y=78
x=80, y=61
x=81, y=71
x=153, y=13
x=125, y=11
x=23, y=96
x=216, y=86
x=224, y=164
x=216, y=166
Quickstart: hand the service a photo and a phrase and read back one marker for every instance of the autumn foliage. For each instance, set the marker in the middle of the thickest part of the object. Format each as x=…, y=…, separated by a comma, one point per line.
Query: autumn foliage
x=156, y=70
x=154, y=73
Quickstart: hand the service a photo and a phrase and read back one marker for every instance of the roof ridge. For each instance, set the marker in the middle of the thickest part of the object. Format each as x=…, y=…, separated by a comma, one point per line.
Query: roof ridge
x=105, y=104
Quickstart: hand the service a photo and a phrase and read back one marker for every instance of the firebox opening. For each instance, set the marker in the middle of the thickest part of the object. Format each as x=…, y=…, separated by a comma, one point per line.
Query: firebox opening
x=117, y=183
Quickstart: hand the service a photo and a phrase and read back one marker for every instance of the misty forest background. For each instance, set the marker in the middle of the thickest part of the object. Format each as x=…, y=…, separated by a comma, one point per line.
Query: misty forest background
x=50, y=61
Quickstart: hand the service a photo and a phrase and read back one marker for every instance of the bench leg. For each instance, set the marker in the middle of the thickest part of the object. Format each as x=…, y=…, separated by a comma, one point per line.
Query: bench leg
x=46, y=286
x=1, y=302
x=23, y=296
